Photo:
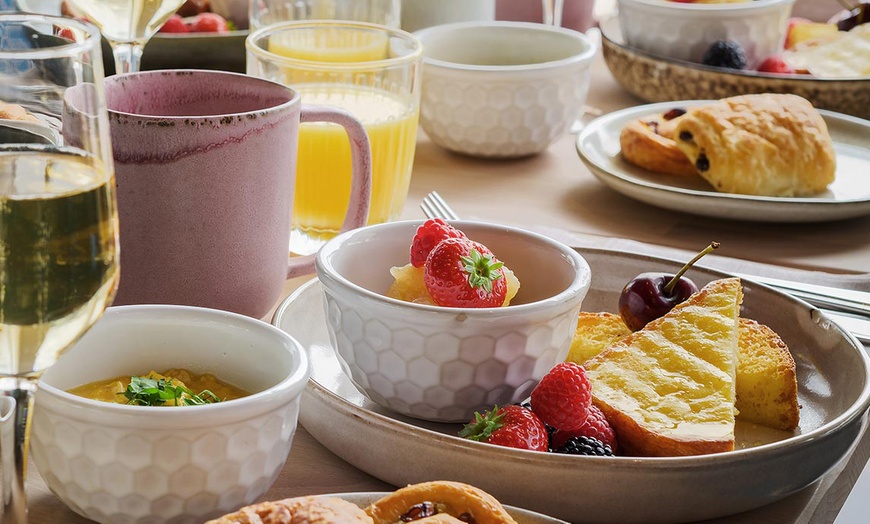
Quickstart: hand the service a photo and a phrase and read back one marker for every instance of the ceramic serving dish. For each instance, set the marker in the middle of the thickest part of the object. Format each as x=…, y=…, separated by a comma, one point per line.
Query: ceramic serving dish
x=654, y=78
x=768, y=465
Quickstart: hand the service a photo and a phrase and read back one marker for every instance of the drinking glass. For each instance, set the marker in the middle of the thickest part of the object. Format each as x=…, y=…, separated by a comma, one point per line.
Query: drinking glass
x=371, y=71
x=268, y=12
x=127, y=25
x=58, y=219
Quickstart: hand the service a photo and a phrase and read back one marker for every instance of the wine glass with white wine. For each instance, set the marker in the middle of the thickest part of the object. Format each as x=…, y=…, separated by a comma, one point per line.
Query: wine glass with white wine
x=127, y=25
x=58, y=217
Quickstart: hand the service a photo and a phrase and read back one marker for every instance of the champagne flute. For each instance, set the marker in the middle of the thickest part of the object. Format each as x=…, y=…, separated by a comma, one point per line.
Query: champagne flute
x=553, y=11
x=128, y=25
x=58, y=218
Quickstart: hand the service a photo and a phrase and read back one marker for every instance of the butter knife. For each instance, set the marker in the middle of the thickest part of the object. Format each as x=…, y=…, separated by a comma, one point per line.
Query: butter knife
x=831, y=298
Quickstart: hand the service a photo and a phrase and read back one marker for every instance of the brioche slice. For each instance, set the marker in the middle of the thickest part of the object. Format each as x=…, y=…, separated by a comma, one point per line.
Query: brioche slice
x=462, y=501
x=594, y=332
x=766, y=381
x=669, y=389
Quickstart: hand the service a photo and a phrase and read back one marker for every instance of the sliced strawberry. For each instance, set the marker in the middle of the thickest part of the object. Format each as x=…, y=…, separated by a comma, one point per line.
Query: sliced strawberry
x=512, y=426
x=428, y=235
x=462, y=273
x=775, y=64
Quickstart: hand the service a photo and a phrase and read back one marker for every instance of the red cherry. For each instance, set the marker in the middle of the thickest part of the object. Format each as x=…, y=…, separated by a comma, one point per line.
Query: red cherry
x=649, y=296
x=175, y=24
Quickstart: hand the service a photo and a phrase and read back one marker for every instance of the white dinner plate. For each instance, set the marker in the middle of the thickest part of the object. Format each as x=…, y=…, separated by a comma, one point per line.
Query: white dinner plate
x=522, y=516
x=832, y=372
x=847, y=197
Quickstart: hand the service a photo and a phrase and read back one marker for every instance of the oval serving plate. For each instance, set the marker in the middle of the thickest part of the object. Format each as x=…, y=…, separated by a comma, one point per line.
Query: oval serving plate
x=657, y=79
x=522, y=516
x=847, y=197
x=834, y=393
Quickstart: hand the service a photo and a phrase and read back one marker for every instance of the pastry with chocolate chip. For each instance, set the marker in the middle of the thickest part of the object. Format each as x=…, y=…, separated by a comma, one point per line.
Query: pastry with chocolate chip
x=766, y=145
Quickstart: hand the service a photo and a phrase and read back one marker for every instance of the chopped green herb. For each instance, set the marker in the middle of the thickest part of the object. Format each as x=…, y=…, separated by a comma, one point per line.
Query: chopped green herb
x=144, y=391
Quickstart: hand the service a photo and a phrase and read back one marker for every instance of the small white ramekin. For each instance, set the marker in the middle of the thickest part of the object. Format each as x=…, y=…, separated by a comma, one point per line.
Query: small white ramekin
x=502, y=89
x=117, y=463
x=441, y=363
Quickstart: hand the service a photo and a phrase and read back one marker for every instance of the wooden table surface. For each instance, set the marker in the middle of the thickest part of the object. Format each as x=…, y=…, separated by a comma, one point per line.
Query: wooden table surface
x=555, y=189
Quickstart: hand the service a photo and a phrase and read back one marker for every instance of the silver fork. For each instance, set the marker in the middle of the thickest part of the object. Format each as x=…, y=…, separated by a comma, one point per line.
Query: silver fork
x=832, y=299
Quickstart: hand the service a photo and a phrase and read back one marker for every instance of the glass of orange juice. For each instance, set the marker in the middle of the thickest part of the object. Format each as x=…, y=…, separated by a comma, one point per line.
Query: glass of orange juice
x=371, y=71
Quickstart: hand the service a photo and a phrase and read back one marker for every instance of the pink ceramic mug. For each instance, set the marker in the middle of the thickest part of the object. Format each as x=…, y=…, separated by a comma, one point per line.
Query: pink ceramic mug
x=205, y=166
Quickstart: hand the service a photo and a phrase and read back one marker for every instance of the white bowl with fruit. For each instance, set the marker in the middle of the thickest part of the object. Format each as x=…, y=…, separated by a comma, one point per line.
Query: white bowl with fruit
x=444, y=348
x=689, y=30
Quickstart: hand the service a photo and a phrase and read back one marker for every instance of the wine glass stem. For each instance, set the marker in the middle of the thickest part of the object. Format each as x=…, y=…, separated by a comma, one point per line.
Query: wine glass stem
x=127, y=57
x=14, y=441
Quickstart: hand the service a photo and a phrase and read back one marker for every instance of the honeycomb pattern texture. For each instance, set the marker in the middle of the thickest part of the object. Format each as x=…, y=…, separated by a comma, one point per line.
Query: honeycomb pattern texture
x=502, y=117
x=441, y=372
x=133, y=475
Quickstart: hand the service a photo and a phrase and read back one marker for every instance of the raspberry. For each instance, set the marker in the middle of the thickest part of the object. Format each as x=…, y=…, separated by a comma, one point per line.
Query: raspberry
x=775, y=64
x=585, y=446
x=428, y=236
x=563, y=397
x=596, y=426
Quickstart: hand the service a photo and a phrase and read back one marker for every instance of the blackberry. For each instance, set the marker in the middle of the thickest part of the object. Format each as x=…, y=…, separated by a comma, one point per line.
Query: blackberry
x=725, y=53
x=585, y=446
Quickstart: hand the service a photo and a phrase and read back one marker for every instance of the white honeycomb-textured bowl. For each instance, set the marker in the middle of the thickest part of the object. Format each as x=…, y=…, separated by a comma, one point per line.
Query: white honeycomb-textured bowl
x=502, y=89
x=115, y=463
x=443, y=364
x=686, y=30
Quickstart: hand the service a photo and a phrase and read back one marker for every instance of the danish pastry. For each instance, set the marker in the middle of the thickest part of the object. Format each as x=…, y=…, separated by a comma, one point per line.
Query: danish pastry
x=767, y=145
x=649, y=143
x=299, y=510
x=460, y=501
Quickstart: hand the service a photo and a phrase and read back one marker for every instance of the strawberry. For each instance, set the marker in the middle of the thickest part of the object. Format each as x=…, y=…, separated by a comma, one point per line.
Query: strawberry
x=209, y=23
x=563, y=397
x=512, y=426
x=175, y=24
x=428, y=236
x=462, y=273
x=596, y=426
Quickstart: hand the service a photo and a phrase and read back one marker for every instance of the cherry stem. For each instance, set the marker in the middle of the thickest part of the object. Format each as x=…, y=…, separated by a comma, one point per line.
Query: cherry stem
x=669, y=287
x=847, y=5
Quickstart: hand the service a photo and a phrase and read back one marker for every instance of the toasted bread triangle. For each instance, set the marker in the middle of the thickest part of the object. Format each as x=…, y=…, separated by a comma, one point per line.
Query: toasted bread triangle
x=669, y=389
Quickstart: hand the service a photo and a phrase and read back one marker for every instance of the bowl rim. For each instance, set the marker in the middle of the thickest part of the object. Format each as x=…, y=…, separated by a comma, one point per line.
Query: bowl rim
x=247, y=407
x=586, y=56
x=331, y=278
x=713, y=9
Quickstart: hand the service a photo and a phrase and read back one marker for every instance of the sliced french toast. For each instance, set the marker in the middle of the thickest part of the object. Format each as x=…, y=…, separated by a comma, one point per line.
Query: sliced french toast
x=766, y=380
x=669, y=388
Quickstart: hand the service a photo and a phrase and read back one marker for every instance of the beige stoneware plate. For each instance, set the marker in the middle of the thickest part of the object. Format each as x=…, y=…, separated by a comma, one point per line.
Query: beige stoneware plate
x=768, y=465
x=657, y=79
x=847, y=197
x=522, y=516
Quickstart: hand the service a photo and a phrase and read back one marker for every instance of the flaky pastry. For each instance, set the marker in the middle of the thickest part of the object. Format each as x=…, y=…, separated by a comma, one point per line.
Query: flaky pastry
x=766, y=145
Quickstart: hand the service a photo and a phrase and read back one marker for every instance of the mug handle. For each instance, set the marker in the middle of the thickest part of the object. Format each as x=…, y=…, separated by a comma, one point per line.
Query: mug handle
x=361, y=175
